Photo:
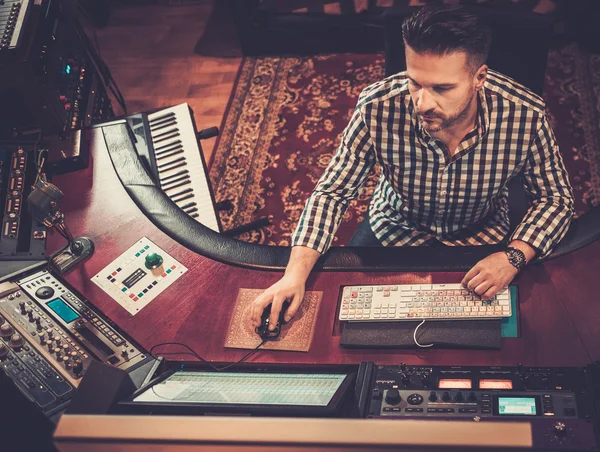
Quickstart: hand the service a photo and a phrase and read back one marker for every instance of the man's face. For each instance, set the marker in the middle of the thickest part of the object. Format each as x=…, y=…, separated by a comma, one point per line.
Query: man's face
x=442, y=87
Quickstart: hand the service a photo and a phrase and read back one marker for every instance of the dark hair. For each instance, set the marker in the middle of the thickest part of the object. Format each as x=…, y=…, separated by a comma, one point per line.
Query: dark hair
x=440, y=29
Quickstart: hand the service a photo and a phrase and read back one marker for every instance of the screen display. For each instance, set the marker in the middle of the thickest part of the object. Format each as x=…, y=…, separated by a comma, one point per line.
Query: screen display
x=455, y=383
x=245, y=388
x=63, y=310
x=524, y=406
x=495, y=384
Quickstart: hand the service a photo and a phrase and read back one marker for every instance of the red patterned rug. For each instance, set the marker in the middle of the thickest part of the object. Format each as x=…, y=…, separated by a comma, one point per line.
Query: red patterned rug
x=286, y=115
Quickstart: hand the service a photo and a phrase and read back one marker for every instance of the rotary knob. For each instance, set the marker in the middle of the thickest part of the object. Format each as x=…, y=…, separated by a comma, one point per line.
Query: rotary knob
x=472, y=398
x=445, y=397
x=560, y=429
x=153, y=261
x=415, y=399
x=22, y=307
x=459, y=397
x=16, y=341
x=77, y=366
x=6, y=330
x=44, y=292
x=432, y=396
x=3, y=351
x=392, y=397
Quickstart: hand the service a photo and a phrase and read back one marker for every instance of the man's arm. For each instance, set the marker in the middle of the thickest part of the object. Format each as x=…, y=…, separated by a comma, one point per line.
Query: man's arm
x=339, y=184
x=320, y=218
x=545, y=223
x=547, y=183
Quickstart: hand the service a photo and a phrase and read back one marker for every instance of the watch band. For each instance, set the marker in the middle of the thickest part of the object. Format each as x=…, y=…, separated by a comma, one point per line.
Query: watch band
x=516, y=257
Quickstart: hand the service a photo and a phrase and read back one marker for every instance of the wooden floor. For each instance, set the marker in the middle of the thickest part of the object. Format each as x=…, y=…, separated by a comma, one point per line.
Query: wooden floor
x=149, y=50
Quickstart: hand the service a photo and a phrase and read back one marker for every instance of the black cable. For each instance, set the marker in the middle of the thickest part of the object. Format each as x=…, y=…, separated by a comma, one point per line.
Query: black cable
x=200, y=358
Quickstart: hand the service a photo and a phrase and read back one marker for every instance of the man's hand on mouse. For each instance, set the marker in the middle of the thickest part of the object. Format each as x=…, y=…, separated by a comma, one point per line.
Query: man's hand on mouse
x=287, y=288
x=495, y=272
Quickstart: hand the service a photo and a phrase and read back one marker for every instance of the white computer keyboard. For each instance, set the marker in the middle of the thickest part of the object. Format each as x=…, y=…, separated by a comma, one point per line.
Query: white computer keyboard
x=419, y=301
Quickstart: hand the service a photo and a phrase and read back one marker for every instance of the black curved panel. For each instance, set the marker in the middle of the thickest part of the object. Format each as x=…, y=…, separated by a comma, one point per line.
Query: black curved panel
x=172, y=221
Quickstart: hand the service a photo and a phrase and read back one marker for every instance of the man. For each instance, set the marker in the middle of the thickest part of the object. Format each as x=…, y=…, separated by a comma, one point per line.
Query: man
x=448, y=134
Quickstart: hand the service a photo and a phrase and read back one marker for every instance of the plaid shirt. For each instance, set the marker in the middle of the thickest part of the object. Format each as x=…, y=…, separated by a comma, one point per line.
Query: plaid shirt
x=423, y=194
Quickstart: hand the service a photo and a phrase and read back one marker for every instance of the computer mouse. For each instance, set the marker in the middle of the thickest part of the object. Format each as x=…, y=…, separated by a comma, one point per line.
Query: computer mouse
x=263, y=330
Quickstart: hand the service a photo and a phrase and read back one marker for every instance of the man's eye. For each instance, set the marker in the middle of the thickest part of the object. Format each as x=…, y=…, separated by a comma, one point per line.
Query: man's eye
x=416, y=85
x=441, y=89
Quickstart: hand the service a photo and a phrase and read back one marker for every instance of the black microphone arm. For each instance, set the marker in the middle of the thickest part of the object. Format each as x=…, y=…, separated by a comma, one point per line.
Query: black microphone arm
x=43, y=205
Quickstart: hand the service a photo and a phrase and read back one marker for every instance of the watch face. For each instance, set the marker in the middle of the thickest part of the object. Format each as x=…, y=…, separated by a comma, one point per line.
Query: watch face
x=516, y=257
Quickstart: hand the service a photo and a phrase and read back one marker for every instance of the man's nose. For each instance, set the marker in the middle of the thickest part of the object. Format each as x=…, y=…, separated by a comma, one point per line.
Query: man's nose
x=424, y=102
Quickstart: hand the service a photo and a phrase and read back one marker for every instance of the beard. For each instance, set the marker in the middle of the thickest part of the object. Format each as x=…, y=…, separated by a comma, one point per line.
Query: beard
x=437, y=122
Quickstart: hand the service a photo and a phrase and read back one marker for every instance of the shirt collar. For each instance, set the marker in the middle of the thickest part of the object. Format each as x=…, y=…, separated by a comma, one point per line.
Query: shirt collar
x=482, y=118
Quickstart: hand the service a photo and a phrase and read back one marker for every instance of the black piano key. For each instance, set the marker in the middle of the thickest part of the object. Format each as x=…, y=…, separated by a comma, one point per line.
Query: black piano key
x=194, y=215
x=165, y=135
x=160, y=118
x=161, y=124
x=164, y=156
x=182, y=192
x=180, y=184
x=174, y=135
x=179, y=165
x=188, y=205
x=169, y=149
x=192, y=210
x=180, y=173
x=174, y=181
x=164, y=146
x=182, y=198
x=164, y=166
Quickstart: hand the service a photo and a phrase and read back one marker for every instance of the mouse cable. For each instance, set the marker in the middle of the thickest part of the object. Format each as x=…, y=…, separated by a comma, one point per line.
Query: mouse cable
x=218, y=369
x=415, y=336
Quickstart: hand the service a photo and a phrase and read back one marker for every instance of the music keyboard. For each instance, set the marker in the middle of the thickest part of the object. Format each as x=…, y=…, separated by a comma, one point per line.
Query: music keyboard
x=168, y=145
x=12, y=18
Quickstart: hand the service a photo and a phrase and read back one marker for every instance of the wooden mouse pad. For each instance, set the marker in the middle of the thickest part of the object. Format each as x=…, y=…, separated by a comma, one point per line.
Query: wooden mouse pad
x=296, y=335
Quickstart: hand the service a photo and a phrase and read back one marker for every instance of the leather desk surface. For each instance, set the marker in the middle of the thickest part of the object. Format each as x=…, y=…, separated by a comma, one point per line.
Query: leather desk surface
x=559, y=299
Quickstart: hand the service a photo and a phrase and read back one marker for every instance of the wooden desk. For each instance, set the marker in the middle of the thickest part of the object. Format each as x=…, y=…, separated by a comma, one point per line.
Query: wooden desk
x=560, y=299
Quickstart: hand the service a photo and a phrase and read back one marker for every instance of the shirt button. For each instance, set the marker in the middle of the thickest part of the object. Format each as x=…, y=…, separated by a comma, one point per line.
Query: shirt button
x=443, y=193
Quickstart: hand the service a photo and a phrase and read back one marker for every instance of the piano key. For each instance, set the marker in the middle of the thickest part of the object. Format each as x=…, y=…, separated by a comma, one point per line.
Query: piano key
x=176, y=180
x=162, y=124
x=166, y=156
x=181, y=164
x=183, y=198
x=182, y=192
x=179, y=173
x=181, y=184
x=167, y=150
x=192, y=210
x=161, y=117
x=194, y=215
x=172, y=133
x=164, y=146
x=164, y=166
x=188, y=205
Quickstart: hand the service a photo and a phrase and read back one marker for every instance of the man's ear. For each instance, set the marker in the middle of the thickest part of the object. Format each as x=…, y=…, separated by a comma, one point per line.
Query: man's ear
x=480, y=76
